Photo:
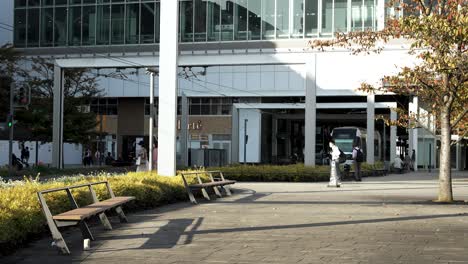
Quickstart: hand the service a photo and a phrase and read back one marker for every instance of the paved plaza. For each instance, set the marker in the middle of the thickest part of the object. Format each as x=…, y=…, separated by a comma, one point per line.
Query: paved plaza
x=387, y=219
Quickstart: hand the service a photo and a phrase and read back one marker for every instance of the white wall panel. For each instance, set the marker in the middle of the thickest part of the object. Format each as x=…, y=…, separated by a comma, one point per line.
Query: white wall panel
x=130, y=88
x=242, y=68
x=281, y=81
x=239, y=81
x=267, y=68
x=338, y=73
x=225, y=69
x=296, y=81
x=226, y=81
x=268, y=81
x=212, y=80
x=253, y=81
x=72, y=153
x=254, y=118
x=342, y=71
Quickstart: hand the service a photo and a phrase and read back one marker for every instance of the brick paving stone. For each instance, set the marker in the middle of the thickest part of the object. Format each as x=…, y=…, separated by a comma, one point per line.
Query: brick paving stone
x=380, y=220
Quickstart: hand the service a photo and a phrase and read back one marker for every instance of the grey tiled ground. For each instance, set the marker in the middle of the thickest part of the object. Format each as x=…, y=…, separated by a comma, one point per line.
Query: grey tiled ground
x=380, y=220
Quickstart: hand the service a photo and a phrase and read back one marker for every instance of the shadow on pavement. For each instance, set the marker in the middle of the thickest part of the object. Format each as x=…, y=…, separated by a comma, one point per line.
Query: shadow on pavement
x=337, y=223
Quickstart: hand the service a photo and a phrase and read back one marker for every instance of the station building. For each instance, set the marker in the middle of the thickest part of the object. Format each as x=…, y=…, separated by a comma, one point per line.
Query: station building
x=254, y=88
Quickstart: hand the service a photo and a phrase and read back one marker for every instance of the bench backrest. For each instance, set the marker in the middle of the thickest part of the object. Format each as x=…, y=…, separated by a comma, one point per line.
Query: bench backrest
x=199, y=173
x=72, y=200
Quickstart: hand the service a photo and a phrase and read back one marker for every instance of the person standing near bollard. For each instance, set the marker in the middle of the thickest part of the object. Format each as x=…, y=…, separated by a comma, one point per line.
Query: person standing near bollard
x=334, y=165
x=413, y=159
x=155, y=155
x=358, y=158
x=142, y=158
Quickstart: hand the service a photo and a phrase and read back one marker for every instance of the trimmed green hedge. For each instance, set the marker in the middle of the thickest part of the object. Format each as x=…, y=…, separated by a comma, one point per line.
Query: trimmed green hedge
x=281, y=173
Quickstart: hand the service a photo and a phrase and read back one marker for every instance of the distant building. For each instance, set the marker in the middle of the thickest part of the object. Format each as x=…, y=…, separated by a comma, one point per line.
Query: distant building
x=240, y=60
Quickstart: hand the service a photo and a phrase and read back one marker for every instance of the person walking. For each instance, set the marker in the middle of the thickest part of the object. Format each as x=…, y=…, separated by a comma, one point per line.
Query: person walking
x=87, y=158
x=97, y=156
x=23, y=153
x=413, y=159
x=358, y=158
x=142, y=158
x=26, y=157
x=335, y=152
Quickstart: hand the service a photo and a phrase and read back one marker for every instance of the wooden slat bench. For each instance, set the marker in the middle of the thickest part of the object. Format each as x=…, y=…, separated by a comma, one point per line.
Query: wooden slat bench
x=79, y=215
x=215, y=183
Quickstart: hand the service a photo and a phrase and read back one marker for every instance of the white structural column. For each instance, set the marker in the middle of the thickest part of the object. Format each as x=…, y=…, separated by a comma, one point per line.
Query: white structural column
x=151, y=123
x=370, y=128
x=393, y=136
x=167, y=118
x=310, y=112
x=184, y=131
x=235, y=135
x=380, y=13
x=413, y=133
x=57, y=130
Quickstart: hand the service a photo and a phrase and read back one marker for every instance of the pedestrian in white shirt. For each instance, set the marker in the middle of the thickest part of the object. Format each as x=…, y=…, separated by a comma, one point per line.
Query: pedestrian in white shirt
x=334, y=165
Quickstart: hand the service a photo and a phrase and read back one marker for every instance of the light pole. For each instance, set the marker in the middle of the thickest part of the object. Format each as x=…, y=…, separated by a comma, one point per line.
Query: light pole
x=151, y=122
x=11, y=123
x=246, y=138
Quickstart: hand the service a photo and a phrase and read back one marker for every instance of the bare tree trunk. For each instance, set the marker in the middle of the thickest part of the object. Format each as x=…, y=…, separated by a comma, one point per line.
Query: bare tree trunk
x=445, y=177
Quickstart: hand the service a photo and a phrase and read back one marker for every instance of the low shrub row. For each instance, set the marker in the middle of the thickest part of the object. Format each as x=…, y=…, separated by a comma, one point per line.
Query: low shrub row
x=281, y=173
x=46, y=171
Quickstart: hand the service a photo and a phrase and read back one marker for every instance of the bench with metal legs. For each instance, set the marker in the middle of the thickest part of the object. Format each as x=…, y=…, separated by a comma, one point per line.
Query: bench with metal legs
x=218, y=184
x=79, y=215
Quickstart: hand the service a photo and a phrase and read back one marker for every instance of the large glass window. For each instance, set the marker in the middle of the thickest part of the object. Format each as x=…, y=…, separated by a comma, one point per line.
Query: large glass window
x=33, y=27
x=368, y=14
x=89, y=25
x=147, y=23
x=74, y=26
x=103, y=24
x=340, y=16
x=47, y=27
x=47, y=2
x=298, y=21
x=282, y=18
x=132, y=22
x=200, y=20
x=327, y=16
x=20, y=28
x=311, y=17
x=117, y=24
x=20, y=3
x=186, y=21
x=227, y=20
x=214, y=22
x=356, y=15
x=240, y=20
x=33, y=2
x=268, y=19
x=157, y=20
x=60, y=2
x=255, y=19
x=60, y=26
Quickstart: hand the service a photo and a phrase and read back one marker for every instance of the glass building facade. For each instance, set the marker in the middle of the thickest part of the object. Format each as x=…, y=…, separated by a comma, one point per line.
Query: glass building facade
x=59, y=23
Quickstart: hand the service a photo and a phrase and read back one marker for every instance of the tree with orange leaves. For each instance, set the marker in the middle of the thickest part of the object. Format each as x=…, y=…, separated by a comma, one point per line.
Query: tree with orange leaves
x=437, y=34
